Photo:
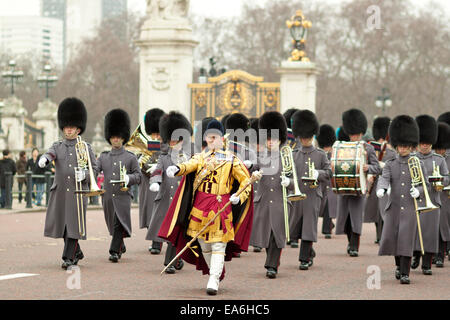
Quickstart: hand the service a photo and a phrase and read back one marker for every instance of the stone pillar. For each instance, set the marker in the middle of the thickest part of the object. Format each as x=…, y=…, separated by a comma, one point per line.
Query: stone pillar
x=99, y=143
x=298, y=85
x=45, y=117
x=166, y=58
x=13, y=124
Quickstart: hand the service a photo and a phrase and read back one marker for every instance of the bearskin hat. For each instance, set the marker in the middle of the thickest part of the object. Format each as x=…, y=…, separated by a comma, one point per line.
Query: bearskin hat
x=274, y=120
x=72, y=112
x=326, y=136
x=445, y=117
x=380, y=128
x=171, y=122
x=151, y=120
x=200, y=129
x=304, y=124
x=354, y=122
x=443, y=139
x=287, y=115
x=216, y=126
x=428, y=129
x=224, y=119
x=237, y=121
x=341, y=135
x=404, y=131
x=117, y=123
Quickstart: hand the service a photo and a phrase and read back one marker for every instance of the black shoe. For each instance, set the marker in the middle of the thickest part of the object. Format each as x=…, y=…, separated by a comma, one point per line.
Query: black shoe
x=348, y=249
x=327, y=236
x=353, y=253
x=404, y=279
x=415, y=262
x=310, y=262
x=179, y=265
x=439, y=263
x=256, y=249
x=377, y=241
x=236, y=255
x=427, y=272
x=78, y=256
x=397, y=274
x=294, y=244
x=271, y=273
x=170, y=270
x=155, y=251
x=304, y=265
x=211, y=292
x=122, y=251
x=66, y=264
x=114, y=257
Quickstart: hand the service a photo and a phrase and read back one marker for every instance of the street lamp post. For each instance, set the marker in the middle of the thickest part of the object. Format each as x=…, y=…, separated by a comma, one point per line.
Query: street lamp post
x=47, y=80
x=298, y=27
x=2, y=104
x=384, y=100
x=12, y=76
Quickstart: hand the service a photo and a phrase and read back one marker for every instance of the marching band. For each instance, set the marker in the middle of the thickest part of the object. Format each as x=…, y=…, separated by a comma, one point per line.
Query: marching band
x=209, y=201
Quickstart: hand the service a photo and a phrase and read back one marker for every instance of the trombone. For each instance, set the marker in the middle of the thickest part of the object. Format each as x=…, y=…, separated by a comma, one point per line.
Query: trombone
x=310, y=178
x=83, y=163
x=417, y=179
x=288, y=169
x=122, y=173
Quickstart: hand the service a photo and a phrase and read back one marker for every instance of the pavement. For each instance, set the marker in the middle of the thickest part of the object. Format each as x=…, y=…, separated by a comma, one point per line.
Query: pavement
x=30, y=269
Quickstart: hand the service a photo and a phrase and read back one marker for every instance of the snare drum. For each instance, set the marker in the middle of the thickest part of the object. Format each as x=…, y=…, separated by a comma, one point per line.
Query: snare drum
x=347, y=162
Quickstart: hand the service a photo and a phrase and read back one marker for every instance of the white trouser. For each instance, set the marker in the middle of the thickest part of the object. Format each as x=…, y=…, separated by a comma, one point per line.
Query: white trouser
x=214, y=254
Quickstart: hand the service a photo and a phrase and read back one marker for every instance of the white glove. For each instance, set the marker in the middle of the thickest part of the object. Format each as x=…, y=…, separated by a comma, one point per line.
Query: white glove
x=171, y=171
x=388, y=192
x=152, y=168
x=414, y=192
x=127, y=179
x=380, y=193
x=80, y=175
x=316, y=174
x=42, y=162
x=285, y=181
x=248, y=164
x=154, y=187
x=234, y=199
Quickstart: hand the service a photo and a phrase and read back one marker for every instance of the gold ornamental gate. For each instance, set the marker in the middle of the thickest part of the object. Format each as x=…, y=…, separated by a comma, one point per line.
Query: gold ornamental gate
x=231, y=92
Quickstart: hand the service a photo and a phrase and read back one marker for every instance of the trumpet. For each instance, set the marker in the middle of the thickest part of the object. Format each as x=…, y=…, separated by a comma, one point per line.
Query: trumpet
x=310, y=178
x=417, y=179
x=122, y=174
x=436, y=178
x=83, y=163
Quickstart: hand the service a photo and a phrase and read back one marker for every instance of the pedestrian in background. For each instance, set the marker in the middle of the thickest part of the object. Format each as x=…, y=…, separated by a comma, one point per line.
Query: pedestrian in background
x=21, y=165
x=6, y=165
x=39, y=182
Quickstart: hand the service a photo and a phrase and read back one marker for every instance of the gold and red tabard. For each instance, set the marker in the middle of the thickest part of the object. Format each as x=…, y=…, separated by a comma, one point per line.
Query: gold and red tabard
x=215, y=173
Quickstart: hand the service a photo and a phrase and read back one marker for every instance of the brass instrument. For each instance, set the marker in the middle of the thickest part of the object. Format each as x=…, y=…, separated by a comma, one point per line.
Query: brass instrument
x=138, y=144
x=310, y=178
x=122, y=173
x=288, y=169
x=417, y=179
x=287, y=161
x=83, y=163
x=436, y=179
